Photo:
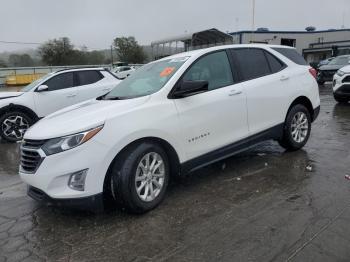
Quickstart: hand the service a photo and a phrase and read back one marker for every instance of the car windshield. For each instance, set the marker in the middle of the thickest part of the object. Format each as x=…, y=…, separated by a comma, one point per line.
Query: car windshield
x=147, y=79
x=341, y=60
x=35, y=83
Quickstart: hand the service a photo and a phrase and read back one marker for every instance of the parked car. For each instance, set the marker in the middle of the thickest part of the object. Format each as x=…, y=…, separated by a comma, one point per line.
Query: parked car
x=123, y=72
x=54, y=91
x=341, y=85
x=170, y=117
x=326, y=72
x=324, y=62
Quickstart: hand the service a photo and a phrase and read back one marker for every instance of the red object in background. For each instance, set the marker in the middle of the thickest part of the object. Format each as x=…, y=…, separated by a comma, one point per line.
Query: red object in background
x=347, y=177
x=313, y=72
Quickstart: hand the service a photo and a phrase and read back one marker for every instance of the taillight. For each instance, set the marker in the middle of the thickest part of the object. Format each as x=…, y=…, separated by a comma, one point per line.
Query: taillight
x=313, y=72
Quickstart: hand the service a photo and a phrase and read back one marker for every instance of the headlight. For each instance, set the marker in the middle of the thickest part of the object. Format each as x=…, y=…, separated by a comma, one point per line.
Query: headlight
x=57, y=145
x=340, y=73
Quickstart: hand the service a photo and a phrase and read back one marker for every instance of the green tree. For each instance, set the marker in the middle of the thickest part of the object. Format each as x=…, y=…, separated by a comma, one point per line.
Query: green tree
x=58, y=52
x=128, y=50
x=2, y=63
x=17, y=60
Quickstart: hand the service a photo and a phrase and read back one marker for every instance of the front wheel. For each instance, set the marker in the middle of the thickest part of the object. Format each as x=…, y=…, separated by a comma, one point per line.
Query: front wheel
x=13, y=125
x=297, y=128
x=139, y=178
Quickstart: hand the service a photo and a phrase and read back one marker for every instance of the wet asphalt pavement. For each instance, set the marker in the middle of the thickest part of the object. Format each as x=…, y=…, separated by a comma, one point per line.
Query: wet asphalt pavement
x=261, y=205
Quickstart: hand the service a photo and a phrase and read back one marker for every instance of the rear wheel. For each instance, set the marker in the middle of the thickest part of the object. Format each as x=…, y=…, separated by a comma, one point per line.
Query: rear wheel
x=13, y=125
x=297, y=128
x=140, y=177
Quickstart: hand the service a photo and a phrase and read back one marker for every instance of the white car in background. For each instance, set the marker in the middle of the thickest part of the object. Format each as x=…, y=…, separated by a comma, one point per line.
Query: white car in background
x=341, y=85
x=170, y=117
x=54, y=91
x=123, y=72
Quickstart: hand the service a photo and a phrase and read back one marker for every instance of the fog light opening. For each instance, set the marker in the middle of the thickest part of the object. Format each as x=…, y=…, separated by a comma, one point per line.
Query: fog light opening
x=77, y=180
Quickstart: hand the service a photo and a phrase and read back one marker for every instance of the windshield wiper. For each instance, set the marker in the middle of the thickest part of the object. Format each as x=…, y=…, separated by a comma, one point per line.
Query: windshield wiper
x=115, y=98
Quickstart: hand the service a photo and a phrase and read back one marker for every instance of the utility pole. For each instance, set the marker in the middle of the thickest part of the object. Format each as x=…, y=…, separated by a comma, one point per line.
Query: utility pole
x=253, y=22
x=111, y=56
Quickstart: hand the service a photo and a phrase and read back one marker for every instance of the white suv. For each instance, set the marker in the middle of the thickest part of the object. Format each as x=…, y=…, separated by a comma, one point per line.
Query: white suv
x=341, y=85
x=54, y=91
x=170, y=117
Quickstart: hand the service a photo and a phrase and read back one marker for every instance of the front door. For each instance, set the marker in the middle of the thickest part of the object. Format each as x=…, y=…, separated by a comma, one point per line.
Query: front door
x=61, y=93
x=218, y=117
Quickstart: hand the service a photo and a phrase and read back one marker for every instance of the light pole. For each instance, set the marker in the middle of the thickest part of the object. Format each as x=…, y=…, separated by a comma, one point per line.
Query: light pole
x=253, y=21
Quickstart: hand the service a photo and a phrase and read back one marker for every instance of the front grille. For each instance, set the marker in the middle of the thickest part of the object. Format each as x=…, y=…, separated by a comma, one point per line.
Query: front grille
x=346, y=79
x=33, y=143
x=30, y=156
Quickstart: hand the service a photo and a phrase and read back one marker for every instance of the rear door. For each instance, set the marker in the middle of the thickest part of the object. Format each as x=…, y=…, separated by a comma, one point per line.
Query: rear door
x=91, y=84
x=266, y=83
x=218, y=117
x=61, y=93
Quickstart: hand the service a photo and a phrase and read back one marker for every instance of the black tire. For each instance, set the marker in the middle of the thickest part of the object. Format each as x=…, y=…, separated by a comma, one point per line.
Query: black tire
x=17, y=127
x=123, y=175
x=342, y=100
x=320, y=82
x=287, y=141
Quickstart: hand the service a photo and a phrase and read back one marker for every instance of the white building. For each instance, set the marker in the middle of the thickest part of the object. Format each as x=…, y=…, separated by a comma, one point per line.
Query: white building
x=313, y=45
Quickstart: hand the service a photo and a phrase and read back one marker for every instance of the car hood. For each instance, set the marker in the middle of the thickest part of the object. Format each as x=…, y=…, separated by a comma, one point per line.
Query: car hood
x=345, y=69
x=4, y=95
x=330, y=67
x=80, y=117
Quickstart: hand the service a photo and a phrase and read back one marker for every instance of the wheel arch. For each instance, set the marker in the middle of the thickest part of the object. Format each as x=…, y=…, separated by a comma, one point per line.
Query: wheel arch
x=303, y=100
x=174, y=160
x=23, y=109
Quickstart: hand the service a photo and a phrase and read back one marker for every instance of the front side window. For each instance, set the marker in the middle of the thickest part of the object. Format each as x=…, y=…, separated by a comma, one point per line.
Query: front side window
x=60, y=81
x=36, y=82
x=88, y=77
x=147, y=80
x=214, y=68
x=252, y=62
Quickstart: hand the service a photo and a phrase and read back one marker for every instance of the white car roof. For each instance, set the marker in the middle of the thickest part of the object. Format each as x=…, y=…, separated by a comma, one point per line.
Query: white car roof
x=209, y=49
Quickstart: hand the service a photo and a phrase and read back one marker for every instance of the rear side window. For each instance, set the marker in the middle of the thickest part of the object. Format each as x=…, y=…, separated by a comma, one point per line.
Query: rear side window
x=214, y=68
x=291, y=54
x=252, y=62
x=60, y=81
x=88, y=77
x=275, y=64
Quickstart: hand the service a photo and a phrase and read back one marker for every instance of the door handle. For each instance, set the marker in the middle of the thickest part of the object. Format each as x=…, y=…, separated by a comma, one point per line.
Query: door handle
x=107, y=89
x=284, y=78
x=71, y=95
x=235, y=92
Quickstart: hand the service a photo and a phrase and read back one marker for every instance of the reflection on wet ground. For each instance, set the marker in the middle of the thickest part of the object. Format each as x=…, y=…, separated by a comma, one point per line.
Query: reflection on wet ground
x=262, y=205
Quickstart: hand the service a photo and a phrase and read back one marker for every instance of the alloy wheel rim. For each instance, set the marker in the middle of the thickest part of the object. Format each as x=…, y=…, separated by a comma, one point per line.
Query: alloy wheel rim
x=299, y=127
x=15, y=127
x=150, y=176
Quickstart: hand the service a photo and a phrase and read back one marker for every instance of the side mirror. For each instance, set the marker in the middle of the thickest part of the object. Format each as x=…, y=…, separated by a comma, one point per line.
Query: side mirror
x=189, y=88
x=42, y=88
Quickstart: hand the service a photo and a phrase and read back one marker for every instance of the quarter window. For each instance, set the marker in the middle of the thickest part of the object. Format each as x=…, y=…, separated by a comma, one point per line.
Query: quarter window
x=60, y=81
x=214, y=68
x=252, y=62
x=275, y=64
x=88, y=77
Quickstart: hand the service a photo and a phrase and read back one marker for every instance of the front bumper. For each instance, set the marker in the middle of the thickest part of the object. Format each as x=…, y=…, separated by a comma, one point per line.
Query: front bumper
x=52, y=175
x=92, y=203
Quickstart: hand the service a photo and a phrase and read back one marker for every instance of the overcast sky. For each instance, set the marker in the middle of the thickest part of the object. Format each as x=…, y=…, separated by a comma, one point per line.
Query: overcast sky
x=95, y=23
